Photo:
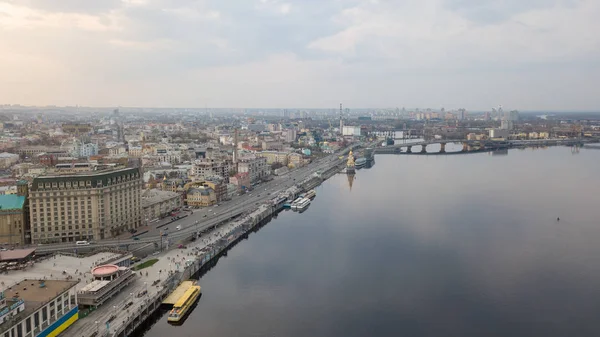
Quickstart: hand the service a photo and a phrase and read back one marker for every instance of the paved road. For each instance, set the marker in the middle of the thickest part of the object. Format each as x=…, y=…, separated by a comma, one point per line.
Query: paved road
x=207, y=218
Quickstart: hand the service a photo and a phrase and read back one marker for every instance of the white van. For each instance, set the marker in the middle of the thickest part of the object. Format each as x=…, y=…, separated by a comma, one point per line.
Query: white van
x=82, y=243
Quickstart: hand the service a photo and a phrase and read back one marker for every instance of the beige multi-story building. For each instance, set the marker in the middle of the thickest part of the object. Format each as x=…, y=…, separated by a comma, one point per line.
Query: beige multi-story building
x=86, y=206
x=274, y=157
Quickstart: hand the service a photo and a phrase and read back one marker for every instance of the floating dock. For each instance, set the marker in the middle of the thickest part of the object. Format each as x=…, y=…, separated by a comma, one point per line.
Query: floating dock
x=178, y=292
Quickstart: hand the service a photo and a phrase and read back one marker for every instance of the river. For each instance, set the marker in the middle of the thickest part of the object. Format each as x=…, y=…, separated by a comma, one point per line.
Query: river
x=455, y=245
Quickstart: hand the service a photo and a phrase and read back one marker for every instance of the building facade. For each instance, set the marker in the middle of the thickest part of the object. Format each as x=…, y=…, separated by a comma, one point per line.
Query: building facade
x=8, y=159
x=275, y=157
x=13, y=223
x=157, y=203
x=257, y=168
x=241, y=181
x=201, y=196
x=86, y=206
x=210, y=167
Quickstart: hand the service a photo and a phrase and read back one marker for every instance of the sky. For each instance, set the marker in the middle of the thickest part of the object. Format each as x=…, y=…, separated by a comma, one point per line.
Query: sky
x=473, y=54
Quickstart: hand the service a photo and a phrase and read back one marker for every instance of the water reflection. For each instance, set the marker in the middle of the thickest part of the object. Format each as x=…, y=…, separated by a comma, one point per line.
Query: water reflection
x=422, y=246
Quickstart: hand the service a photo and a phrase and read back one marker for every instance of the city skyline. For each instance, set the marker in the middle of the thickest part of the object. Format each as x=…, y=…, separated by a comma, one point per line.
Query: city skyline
x=537, y=55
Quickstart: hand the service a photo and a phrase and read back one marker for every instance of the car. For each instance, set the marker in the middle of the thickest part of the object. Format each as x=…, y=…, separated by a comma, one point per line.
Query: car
x=136, y=239
x=204, y=216
x=178, y=227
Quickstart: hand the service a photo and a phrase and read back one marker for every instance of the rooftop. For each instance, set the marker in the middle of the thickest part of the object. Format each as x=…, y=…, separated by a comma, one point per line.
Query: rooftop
x=35, y=293
x=153, y=196
x=11, y=201
x=16, y=254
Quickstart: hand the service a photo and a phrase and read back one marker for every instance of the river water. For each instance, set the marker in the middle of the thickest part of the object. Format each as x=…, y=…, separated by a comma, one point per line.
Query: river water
x=454, y=245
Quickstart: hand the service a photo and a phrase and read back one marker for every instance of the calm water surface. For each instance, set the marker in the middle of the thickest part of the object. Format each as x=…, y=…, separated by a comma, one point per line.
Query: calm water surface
x=463, y=245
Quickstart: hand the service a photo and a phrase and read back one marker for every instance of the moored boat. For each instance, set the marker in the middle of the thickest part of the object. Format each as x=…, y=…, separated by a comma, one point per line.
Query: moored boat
x=184, y=304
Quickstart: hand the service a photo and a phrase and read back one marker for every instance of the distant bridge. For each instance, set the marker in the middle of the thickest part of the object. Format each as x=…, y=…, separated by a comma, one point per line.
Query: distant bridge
x=477, y=145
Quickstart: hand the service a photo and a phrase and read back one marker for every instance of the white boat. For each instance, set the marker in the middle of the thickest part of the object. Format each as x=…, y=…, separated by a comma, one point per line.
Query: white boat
x=294, y=204
x=310, y=194
x=302, y=204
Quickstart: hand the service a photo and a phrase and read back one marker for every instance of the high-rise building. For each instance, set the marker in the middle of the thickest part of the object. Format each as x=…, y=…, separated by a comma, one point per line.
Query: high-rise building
x=85, y=206
x=290, y=135
x=506, y=123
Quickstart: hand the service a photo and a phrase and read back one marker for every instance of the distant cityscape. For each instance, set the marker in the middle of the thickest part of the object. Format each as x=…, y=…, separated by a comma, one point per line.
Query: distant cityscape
x=79, y=173
x=76, y=183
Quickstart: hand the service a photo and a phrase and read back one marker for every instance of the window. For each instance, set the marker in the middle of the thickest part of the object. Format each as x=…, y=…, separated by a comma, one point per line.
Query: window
x=28, y=325
x=20, y=330
x=44, y=315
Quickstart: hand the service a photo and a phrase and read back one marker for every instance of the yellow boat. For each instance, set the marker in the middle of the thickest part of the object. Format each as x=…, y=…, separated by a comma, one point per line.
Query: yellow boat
x=183, y=305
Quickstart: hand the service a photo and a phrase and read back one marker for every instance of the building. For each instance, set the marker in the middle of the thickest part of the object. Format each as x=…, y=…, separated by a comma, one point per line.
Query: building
x=157, y=203
x=290, y=135
x=135, y=151
x=201, y=196
x=8, y=159
x=212, y=167
x=241, y=180
x=499, y=133
x=85, y=206
x=13, y=220
x=47, y=159
x=218, y=185
x=40, y=308
x=274, y=157
x=295, y=159
x=257, y=168
x=77, y=129
x=353, y=131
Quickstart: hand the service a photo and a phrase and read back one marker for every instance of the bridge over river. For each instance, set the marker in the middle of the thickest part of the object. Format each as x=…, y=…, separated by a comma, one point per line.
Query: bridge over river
x=476, y=145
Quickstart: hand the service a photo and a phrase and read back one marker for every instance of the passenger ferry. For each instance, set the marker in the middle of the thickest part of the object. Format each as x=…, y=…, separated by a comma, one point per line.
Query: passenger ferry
x=360, y=163
x=184, y=304
x=302, y=204
x=295, y=203
x=310, y=194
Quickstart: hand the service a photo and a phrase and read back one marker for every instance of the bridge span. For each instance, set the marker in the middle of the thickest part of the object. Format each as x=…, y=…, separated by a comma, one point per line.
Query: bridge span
x=476, y=145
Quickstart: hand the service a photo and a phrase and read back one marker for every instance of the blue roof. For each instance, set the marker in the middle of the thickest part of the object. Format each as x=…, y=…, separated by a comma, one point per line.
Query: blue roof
x=11, y=201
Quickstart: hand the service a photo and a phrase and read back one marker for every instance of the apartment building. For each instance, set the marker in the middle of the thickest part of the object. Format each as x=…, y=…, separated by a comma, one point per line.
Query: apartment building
x=257, y=168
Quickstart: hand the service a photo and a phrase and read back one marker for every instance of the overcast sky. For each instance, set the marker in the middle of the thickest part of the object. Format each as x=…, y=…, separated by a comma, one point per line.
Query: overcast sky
x=523, y=54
